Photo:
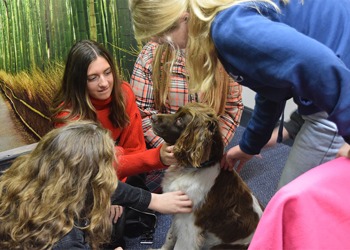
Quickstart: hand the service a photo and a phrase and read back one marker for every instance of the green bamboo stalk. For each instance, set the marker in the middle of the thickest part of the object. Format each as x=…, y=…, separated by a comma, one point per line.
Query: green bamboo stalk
x=4, y=37
x=92, y=20
x=99, y=22
x=80, y=12
x=11, y=45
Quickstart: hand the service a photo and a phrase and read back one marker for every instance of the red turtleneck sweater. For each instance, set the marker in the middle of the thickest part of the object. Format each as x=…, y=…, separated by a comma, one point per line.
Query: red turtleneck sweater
x=131, y=149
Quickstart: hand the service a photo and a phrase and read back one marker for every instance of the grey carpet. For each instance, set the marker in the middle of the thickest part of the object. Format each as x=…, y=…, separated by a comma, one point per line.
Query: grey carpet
x=261, y=175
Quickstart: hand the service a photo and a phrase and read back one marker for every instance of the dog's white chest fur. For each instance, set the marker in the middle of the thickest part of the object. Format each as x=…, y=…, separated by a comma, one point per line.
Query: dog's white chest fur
x=196, y=184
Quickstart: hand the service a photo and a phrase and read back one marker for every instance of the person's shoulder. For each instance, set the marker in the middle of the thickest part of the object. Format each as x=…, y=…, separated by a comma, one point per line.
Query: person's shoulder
x=75, y=240
x=147, y=53
x=127, y=89
x=130, y=99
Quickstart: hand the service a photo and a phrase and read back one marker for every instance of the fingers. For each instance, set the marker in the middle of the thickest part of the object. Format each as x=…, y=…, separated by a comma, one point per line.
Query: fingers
x=167, y=155
x=240, y=166
x=115, y=213
x=169, y=149
x=185, y=210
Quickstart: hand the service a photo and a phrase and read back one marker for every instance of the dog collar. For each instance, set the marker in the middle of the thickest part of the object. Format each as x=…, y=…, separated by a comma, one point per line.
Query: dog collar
x=207, y=163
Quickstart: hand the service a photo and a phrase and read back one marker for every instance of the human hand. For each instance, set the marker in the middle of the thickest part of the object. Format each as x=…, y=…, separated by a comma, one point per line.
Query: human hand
x=115, y=213
x=235, y=156
x=171, y=203
x=167, y=155
x=344, y=151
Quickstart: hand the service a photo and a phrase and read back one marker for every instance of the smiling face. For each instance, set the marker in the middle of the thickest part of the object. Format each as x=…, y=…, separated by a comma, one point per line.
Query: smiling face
x=100, y=79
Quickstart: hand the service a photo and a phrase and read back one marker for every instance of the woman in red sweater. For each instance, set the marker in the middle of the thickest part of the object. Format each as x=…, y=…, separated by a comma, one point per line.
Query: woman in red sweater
x=92, y=90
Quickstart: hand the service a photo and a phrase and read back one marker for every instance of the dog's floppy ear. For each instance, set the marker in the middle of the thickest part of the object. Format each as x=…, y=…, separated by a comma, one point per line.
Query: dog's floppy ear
x=193, y=146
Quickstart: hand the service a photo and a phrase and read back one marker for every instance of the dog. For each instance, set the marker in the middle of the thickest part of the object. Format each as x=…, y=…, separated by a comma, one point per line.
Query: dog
x=225, y=212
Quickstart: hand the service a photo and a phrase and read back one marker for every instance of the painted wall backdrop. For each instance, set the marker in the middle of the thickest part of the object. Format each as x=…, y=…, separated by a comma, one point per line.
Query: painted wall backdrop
x=35, y=38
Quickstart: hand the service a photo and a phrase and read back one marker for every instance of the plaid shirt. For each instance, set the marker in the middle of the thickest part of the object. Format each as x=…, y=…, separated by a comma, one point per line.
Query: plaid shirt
x=142, y=85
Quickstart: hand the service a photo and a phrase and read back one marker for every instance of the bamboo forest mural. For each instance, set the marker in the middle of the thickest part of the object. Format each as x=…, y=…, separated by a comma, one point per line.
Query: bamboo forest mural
x=35, y=38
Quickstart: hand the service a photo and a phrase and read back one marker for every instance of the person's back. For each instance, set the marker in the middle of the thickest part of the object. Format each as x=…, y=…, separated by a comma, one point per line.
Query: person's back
x=311, y=212
x=328, y=23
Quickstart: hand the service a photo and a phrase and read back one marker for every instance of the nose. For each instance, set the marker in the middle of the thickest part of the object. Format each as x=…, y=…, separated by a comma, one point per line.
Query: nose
x=103, y=81
x=154, y=118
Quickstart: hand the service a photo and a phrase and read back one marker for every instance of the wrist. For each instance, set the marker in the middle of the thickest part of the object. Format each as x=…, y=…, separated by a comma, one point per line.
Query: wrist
x=154, y=202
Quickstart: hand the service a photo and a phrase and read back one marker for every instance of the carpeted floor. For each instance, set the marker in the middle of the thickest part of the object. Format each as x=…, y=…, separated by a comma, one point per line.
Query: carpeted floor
x=261, y=175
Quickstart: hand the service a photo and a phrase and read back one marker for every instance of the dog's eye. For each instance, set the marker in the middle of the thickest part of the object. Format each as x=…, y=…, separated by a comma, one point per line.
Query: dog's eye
x=178, y=121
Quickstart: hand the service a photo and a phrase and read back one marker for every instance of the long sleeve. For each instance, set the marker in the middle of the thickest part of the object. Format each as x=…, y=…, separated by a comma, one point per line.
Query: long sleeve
x=142, y=85
x=137, y=163
x=279, y=62
x=178, y=96
x=231, y=118
x=131, y=150
x=130, y=196
x=261, y=124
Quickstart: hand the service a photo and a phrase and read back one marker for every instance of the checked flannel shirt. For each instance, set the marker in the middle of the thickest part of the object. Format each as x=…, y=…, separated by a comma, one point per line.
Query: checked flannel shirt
x=142, y=85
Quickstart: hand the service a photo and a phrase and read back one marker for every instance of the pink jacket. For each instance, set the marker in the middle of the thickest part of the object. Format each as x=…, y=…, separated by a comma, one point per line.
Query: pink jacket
x=311, y=212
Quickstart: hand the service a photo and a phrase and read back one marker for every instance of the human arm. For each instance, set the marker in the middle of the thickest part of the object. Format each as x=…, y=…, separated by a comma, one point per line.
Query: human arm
x=344, y=151
x=256, y=134
x=142, y=85
x=142, y=162
x=283, y=58
x=131, y=150
x=140, y=199
x=230, y=119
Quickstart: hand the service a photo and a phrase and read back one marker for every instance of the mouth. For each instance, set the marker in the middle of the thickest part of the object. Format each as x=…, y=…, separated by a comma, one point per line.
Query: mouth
x=104, y=90
x=163, y=134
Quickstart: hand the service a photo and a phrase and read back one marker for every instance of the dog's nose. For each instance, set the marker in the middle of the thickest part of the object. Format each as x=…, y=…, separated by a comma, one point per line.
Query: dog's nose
x=154, y=118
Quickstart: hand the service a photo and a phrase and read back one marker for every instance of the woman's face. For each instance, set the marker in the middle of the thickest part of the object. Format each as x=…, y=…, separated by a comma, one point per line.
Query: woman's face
x=100, y=79
x=179, y=33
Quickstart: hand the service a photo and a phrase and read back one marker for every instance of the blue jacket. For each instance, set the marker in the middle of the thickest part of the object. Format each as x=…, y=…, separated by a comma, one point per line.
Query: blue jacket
x=303, y=52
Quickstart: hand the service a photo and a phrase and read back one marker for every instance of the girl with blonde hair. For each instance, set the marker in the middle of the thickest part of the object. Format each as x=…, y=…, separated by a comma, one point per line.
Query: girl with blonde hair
x=160, y=79
x=60, y=192
x=281, y=50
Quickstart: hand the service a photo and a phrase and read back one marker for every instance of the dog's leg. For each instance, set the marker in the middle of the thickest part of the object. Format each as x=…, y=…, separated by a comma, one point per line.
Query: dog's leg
x=190, y=237
x=170, y=239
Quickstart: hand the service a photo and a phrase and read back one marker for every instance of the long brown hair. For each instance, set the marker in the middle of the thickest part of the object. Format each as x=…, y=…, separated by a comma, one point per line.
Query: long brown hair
x=67, y=179
x=73, y=95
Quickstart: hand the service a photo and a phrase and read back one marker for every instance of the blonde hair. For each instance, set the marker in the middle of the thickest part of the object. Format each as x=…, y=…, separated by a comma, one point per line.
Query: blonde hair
x=68, y=179
x=154, y=19
x=202, y=58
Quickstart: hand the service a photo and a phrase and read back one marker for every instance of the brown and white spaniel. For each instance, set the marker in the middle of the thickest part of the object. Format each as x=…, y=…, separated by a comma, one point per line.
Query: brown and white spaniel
x=225, y=212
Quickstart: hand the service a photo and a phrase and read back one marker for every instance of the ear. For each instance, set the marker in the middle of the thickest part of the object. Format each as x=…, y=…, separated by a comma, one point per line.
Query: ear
x=193, y=146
